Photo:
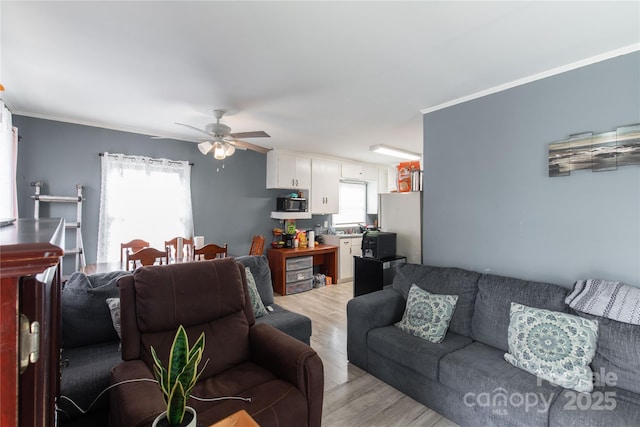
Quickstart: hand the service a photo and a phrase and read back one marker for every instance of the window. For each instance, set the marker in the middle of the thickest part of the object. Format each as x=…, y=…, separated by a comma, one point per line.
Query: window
x=142, y=198
x=353, y=204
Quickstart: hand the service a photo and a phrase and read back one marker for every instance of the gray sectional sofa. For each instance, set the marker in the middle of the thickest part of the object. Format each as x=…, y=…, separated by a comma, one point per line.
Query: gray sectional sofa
x=91, y=345
x=466, y=378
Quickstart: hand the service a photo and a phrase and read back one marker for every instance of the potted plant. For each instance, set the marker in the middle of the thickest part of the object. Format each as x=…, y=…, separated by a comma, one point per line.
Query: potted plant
x=178, y=379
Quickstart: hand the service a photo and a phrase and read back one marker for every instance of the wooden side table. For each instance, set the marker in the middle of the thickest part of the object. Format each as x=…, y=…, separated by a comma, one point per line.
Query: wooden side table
x=238, y=419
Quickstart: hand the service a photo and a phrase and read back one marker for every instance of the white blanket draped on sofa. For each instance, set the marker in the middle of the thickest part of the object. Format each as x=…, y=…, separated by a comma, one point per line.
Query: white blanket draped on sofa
x=608, y=299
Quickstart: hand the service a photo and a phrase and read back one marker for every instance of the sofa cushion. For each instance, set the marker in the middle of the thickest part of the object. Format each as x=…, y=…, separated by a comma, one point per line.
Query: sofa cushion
x=84, y=375
x=163, y=303
x=488, y=382
x=427, y=315
x=86, y=319
x=616, y=362
x=442, y=280
x=493, y=305
x=259, y=266
x=420, y=355
x=554, y=346
x=605, y=406
x=256, y=302
x=294, y=324
x=271, y=397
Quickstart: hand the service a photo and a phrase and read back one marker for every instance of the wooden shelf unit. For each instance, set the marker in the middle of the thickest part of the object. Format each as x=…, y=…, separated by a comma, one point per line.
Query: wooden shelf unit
x=323, y=255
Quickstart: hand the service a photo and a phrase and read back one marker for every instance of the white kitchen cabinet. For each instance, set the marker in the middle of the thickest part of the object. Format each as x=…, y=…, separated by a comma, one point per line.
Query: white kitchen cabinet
x=351, y=170
x=359, y=171
x=383, y=180
x=288, y=170
x=348, y=247
x=356, y=248
x=369, y=172
x=325, y=186
x=372, y=198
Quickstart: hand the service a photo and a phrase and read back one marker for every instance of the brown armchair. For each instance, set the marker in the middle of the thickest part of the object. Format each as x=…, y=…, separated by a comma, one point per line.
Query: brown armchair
x=282, y=376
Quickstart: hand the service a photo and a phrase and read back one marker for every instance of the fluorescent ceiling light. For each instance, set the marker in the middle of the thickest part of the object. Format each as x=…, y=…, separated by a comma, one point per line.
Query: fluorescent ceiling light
x=394, y=152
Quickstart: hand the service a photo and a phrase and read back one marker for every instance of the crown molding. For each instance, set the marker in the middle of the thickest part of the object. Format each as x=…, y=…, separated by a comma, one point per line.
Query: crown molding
x=552, y=72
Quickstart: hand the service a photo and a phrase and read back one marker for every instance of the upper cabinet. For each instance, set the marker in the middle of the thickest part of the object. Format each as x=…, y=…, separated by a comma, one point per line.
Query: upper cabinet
x=288, y=170
x=384, y=180
x=372, y=197
x=325, y=186
x=359, y=171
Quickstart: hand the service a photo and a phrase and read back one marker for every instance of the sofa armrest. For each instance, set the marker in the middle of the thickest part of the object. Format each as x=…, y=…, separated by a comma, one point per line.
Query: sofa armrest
x=292, y=361
x=366, y=312
x=295, y=324
x=141, y=401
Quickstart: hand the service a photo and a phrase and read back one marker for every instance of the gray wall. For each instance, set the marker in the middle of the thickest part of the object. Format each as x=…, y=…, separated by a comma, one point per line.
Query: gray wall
x=489, y=204
x=229, y=205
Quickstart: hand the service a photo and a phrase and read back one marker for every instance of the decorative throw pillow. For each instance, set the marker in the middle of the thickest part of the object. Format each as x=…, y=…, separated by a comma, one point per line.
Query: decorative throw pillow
x=554, y=346
x=114, y=308
x=256, y=302
x=259, y=265
x=427, y=315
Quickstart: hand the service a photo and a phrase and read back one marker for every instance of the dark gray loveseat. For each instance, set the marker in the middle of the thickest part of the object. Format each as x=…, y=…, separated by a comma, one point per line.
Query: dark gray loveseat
x=466, y=378
x=91, y=346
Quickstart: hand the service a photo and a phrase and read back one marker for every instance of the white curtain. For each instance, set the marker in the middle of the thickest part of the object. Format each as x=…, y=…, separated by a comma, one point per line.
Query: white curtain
x=142, y=198
x=8, y=163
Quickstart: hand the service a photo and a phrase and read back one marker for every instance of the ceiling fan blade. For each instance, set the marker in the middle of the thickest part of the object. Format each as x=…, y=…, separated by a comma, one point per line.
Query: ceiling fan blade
x=205, y=147
x=248, y=145
x=194, y=128
x=254, y=134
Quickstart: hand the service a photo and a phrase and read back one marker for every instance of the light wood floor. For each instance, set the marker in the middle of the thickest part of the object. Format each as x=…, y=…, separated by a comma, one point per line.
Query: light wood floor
x=352, y=396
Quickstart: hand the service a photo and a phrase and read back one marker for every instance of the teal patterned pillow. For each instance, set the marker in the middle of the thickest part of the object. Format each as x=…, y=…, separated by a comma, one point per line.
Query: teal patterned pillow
x=256, y=301
x=554, y=346
x=427, y=315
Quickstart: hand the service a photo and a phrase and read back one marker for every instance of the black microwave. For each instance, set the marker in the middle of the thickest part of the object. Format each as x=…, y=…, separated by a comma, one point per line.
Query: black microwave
x=291, y=204
x=378, y=245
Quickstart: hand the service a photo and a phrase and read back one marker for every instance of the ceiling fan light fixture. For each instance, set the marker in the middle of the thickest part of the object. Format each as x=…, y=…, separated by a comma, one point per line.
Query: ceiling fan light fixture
x=218, y=151
x=394, y=152
x=205, y=147
x=229, y=149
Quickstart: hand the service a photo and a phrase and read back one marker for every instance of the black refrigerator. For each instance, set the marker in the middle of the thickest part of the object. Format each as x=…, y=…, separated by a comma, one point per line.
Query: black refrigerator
x=372, y=274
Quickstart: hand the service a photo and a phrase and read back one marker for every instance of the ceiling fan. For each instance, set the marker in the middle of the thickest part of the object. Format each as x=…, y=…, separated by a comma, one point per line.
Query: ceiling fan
x=222, y=141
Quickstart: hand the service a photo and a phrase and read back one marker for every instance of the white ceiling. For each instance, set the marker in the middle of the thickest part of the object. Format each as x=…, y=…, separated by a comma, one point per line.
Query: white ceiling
x=321, y=77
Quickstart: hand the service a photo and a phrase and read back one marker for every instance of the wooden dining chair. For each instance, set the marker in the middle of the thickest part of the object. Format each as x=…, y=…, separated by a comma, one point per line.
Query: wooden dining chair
x=257, y=245
x=130, y=247
x=147, y=256
x=171, y=247
x=210, y=251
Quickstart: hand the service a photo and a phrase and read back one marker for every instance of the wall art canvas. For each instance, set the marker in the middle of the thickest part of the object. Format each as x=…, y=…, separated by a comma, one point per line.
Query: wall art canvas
x=600, y=152
x=605, y=156
x=629, y=145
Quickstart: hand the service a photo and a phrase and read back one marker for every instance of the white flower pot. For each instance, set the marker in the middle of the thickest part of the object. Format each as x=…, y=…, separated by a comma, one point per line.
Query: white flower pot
x=163, y=417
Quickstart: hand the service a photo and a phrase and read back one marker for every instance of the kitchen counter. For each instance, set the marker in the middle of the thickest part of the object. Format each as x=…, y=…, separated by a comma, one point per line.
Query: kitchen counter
x=344, y=235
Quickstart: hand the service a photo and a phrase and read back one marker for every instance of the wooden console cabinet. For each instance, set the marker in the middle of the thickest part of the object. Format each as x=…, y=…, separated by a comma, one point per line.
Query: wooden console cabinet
x=30, y=252
x=323, y=255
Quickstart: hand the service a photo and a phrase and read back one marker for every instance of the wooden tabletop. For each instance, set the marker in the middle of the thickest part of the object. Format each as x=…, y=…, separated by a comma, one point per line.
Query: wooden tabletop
x=238, y=419
x=30, y=246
